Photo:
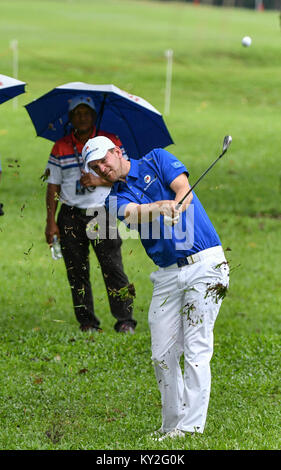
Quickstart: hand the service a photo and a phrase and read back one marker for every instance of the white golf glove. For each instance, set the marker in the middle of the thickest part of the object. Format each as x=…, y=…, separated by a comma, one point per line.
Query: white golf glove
x=170, y=221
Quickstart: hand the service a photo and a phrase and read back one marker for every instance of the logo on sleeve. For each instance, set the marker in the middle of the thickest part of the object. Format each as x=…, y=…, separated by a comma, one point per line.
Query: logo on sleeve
x=177, y=164
x=147, y=179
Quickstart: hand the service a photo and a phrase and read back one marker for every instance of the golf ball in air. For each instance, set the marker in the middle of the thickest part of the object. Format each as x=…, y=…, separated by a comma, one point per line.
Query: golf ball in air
x=246, y=41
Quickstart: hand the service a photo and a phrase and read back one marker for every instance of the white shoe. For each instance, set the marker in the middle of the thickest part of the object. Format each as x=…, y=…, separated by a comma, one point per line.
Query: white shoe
x=172, y=435
x=156, y=433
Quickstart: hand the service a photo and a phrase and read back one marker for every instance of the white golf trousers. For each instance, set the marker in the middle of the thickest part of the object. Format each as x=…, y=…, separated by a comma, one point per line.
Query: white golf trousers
x=182, y=314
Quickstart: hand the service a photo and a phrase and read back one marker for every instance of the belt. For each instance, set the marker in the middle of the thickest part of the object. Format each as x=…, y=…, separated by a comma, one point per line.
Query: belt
x=76, y=209
x=82, y=211
x=201, y=255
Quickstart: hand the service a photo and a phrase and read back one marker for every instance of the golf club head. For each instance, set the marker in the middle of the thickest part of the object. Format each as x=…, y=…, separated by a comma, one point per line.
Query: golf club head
x=226, y=142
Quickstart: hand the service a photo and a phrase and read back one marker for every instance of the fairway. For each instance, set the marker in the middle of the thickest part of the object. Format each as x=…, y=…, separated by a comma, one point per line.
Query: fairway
x=61, y=388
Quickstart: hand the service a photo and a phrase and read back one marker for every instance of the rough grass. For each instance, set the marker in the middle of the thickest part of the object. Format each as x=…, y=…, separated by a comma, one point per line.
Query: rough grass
x=60, y=388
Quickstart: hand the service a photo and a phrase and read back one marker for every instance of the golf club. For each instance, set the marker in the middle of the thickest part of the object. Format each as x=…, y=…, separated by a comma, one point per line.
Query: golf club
x=226, y=143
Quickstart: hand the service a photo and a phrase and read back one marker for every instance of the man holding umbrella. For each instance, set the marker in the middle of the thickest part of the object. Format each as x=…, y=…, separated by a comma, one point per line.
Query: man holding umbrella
x=77, y=192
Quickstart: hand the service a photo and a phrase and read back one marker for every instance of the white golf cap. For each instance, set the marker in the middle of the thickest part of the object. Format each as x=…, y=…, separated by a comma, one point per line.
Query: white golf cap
x=95, y=149
x=81, y=99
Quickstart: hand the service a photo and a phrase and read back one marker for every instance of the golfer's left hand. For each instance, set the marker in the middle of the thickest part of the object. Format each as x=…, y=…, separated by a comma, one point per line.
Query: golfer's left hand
x=171, y=221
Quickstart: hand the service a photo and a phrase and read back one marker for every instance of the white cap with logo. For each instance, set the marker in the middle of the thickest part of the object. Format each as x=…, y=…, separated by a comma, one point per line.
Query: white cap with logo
x=95, y=149
x=81, y=99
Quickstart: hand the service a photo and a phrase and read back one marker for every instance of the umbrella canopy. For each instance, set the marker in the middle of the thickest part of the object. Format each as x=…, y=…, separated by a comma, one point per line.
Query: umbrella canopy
x=137, y=123
x=9, y=88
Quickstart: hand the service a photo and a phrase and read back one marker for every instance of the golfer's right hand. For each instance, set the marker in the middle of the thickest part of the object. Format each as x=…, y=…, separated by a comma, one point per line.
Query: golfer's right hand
x=51, y=230
x=170, y=209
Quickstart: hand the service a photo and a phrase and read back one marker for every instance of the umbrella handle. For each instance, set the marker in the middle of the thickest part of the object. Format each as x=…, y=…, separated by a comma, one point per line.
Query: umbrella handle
x=101, y=114
x=67, y=128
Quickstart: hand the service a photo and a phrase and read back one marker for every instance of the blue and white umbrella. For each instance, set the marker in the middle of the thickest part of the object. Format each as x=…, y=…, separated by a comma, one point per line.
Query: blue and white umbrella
x=136, y=122
x=9, y=88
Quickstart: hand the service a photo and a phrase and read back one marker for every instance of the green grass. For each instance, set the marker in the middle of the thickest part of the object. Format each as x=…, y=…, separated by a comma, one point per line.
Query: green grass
x=60, y=388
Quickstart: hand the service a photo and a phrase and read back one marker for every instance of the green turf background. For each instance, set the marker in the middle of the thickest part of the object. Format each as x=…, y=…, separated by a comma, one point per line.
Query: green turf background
x=218, y=88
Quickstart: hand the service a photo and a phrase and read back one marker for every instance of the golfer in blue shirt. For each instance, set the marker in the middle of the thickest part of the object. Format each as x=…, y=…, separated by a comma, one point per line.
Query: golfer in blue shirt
x=191, y=280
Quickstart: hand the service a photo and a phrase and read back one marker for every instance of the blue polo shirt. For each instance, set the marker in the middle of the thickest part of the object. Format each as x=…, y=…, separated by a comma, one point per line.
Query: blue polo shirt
x=148, y=181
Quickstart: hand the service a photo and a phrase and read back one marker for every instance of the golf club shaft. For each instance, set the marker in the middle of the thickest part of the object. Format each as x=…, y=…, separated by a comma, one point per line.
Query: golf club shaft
x=199, y=179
